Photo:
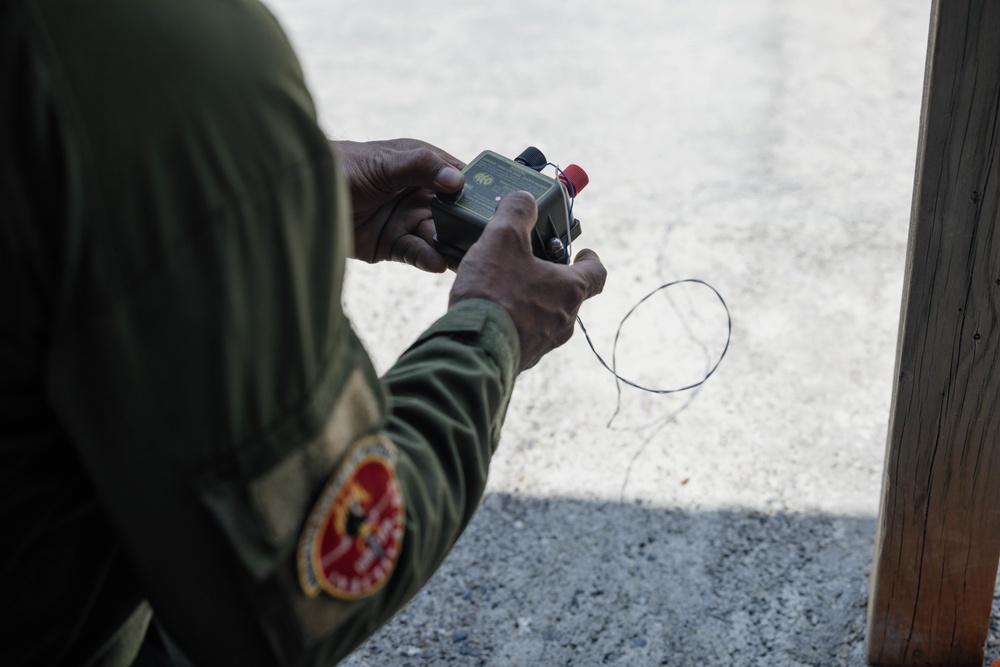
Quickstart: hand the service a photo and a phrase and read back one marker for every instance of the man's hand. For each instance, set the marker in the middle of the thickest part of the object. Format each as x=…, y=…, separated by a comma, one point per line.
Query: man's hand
x=392, y=183
x=542, y=297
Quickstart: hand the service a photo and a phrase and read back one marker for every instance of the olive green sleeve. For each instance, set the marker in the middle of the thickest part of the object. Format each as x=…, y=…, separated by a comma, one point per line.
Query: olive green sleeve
x=447, y=398
x=449, y=394
x=198, y=359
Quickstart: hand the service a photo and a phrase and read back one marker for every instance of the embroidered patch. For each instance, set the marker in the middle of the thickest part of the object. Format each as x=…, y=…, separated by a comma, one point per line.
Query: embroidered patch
x=353, y=535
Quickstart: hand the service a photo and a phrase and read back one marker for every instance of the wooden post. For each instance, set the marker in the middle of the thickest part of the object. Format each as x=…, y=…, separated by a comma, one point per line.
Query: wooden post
x=939, y=522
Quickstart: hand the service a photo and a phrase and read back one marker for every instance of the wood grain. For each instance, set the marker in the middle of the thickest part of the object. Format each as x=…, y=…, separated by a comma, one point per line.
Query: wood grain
x=938, y=535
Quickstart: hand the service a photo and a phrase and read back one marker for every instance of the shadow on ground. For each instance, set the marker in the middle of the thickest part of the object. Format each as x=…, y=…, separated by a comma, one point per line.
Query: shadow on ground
x=577, y=582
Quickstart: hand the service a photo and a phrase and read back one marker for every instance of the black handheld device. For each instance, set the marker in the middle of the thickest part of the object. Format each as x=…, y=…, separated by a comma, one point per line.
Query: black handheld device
x=460, y=218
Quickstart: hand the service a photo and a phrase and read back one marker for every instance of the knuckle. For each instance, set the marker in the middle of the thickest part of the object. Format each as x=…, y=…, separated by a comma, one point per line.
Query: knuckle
x=379, y=165
x=424, y=160
x=564, y=334
x=597, y=285
x=425, y=155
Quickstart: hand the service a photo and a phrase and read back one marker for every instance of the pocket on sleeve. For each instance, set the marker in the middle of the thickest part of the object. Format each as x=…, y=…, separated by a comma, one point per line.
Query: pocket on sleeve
x=262, y=516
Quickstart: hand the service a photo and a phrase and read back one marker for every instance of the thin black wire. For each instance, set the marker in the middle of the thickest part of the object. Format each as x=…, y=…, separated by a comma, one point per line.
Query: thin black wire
x=614, y=348
x=613, y=368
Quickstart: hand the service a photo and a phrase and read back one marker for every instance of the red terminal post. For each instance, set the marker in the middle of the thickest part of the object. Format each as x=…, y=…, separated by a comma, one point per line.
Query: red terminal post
x=574, y=178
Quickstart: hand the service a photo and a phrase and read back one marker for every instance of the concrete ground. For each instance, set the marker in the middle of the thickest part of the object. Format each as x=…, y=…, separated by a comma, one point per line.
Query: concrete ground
x=764, y=146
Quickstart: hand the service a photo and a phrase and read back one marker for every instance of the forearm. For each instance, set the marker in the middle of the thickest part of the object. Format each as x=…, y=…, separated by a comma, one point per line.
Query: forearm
x=449, y=396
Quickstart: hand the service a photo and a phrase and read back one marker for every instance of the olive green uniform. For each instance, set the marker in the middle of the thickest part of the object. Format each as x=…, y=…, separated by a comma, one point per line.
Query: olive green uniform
x=178, y=381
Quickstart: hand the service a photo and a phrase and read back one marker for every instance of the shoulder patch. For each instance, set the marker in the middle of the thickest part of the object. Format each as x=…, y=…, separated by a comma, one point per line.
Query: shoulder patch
x=352, y=538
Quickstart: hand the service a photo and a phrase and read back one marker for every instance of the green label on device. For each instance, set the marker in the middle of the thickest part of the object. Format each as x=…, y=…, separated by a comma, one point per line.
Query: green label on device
x=490, y=176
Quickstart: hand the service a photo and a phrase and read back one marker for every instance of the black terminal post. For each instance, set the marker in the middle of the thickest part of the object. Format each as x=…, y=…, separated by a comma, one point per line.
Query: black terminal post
x=532, y=158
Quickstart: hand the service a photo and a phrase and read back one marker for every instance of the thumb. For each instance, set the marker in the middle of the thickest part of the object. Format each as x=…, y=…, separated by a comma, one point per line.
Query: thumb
x=424, y=168
x=513, y=220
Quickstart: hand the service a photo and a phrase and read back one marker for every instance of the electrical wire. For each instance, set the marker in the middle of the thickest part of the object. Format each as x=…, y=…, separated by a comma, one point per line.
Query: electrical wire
x=613, y=368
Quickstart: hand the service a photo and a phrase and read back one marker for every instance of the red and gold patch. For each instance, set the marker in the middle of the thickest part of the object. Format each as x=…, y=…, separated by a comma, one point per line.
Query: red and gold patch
x=352, y=538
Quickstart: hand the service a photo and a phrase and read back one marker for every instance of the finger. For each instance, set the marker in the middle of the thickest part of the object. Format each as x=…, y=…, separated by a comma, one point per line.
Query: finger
x=590, y=268
x=416, y=252
x=426, y=230
x=516, y=213
x=424, y=167
x=414, y=144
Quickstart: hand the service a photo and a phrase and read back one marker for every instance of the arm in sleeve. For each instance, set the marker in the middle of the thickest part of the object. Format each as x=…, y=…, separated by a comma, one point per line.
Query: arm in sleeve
x=200, y=361
x=449, y=394
x=447, y=398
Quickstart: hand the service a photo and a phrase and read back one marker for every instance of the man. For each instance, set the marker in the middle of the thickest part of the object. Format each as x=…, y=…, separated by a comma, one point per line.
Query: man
x=188, y=426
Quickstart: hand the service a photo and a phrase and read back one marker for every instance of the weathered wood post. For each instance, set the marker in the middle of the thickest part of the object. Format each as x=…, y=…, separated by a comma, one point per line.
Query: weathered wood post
x=939, y=523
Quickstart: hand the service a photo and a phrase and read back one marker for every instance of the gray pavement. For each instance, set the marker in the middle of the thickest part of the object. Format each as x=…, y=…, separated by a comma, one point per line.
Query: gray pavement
x=764, y=147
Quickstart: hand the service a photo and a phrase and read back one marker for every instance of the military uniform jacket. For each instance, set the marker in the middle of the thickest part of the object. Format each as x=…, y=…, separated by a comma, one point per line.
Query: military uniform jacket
x=188, y=424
